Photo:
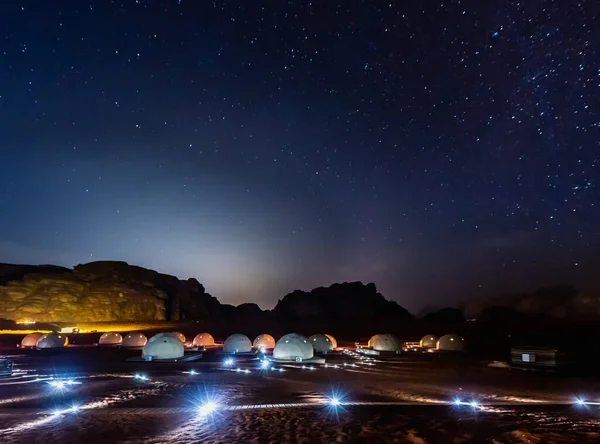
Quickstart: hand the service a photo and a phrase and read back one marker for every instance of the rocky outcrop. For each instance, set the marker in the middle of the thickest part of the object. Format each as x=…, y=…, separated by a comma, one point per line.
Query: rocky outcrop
x=340, y=302
x=117, y=291
x=100, y=291
x=560, y=302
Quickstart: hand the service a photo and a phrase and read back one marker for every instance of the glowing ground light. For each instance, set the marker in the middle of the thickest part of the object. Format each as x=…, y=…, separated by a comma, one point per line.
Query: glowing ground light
x=228, y=362
x=264, y=364
x=474, y=404
x=583, y=402
x=62, y=383
x=141, y=377
x=59, y=412
x=334, y=402
x=207, y=408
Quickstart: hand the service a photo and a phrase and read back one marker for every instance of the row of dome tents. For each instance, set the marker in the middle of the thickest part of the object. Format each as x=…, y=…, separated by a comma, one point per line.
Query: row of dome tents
x=236, y=343
x=389, y=343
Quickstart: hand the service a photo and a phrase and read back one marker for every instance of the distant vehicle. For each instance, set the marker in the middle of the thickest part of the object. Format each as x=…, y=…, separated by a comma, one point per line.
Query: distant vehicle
x=6, y=367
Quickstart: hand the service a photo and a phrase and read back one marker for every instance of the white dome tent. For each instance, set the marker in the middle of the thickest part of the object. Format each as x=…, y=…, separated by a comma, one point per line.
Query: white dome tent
x=52, y=340
x=237, y=343
x=134, y=339
x=321, y=343
x=264, y=342
x=451, y=343
x=177, y=335
x=163, y=346
x=31, y=339
x=293, y=347
x=385, y=342
x=110, y=338
x=333, y=341
x=428, y=341
x=203, y=340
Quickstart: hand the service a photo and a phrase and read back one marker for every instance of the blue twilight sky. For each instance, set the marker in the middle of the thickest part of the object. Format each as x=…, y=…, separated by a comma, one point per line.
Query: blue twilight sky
x=443, y=151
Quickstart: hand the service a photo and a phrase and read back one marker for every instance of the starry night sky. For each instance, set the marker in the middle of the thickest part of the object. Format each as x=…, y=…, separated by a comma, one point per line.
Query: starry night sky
x=443, y=150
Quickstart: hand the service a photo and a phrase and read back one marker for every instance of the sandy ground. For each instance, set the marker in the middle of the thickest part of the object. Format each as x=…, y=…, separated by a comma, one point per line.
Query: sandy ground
x=401, y=400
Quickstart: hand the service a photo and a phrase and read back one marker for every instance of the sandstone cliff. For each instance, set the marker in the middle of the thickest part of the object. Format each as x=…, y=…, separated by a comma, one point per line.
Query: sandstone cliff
x=100, y=291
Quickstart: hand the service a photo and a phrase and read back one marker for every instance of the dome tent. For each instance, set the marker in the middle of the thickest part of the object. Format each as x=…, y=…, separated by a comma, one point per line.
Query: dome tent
x=163, y=346
x=52, y=340
x=385, y=342
x=31, y=339
x=333, y=340
x=264, y=341
x=203, y=340
x=428, y=341
x=111, y=338
x=451, y=343
x=321, y=343
x=134, y=339
x=293, y=347
x=177, y=335
x=237, y=343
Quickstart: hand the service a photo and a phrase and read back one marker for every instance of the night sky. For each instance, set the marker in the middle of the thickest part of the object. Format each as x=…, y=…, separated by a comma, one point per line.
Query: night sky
x=445, y=150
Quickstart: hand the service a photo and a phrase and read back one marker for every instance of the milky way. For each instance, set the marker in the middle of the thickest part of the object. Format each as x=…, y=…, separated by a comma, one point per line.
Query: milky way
x=443, y=150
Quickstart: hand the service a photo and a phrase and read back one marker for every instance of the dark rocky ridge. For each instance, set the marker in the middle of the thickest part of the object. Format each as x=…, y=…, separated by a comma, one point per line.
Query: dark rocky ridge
x=340, y=302
x=558, y=302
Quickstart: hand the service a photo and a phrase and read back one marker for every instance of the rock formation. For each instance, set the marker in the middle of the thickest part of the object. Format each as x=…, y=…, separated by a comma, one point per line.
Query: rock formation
x=100, y=291
x=340, y=302
x=117, y=291
x=559, y=302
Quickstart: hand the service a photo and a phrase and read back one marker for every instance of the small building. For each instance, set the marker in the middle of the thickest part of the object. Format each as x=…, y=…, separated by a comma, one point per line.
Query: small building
x=163, y=346
x=536, y=358
x=30, y=341
x=385, y=343
x=428, y=341
x=450, y=342
x=293, y=347
x=134, y=339
x=52, y=340
x=321, y=343
x=110, y=339
x=237, y=343
x=203, y=340
x=264, y=342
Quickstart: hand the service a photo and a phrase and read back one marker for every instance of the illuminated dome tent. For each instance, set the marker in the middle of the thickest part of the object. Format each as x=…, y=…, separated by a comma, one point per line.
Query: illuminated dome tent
x=110, y=338
x=428, y=341
x=134, y=339
x=52, y=340
x=30, y=340
x=333, y=340
x=163, y=346
x=451, y=343
x=264, y=342
x=293, y=347
x=203, y=340
x=176, y=334
x=387, y=343
x=237, y=343
x=321, y=343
